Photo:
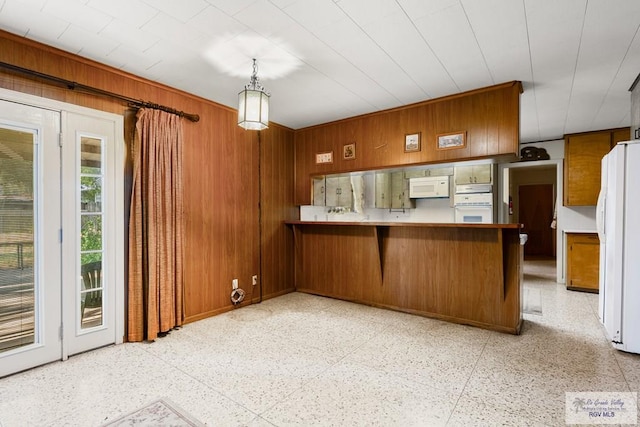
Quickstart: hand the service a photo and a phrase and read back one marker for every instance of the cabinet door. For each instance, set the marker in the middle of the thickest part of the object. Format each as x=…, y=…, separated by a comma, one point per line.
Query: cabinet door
x=448, y=171
x=319, y=191
x=463, y=175
x=400, y=192
x=583, y=155
x=383, y=190
x=344, y=192
x=583, y=258
x=331, y=185
x=416, y=173
x=482, y=174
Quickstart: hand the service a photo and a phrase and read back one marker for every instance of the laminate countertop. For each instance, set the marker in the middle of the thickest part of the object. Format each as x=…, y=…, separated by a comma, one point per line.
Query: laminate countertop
x=406, y=224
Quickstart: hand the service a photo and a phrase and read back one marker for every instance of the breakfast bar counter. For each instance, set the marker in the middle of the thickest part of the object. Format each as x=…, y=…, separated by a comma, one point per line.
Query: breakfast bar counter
x=463, y=273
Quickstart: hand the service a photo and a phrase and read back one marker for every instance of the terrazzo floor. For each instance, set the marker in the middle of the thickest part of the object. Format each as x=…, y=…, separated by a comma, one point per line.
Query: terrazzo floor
x=301, y=360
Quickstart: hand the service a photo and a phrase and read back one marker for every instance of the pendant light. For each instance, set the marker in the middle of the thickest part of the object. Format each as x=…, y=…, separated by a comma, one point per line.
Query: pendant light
x=253, y=104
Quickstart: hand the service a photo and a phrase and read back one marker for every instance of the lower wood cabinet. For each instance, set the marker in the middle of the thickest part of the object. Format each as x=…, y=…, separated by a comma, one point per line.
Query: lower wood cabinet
x=583, y=261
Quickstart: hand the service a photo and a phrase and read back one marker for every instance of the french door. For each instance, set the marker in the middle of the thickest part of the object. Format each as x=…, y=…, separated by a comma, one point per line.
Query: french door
x=60, y=232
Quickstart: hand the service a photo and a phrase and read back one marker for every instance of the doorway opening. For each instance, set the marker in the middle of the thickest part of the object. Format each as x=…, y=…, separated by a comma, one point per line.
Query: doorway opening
x=530, y=196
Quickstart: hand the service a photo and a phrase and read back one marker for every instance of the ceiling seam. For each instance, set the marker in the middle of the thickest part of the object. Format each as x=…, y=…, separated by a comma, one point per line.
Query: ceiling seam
x=385, y=52
x=484, y=59
x=429, y=46
x=533, y=79
x=575, y=67
x=626, y=53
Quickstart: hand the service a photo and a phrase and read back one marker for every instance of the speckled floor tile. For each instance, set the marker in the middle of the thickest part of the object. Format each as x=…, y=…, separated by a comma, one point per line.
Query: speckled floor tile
x=350, y=394
x=441, y=356
x=630, y=365
x=471, y=412
x=301, y=359
x=532, y=388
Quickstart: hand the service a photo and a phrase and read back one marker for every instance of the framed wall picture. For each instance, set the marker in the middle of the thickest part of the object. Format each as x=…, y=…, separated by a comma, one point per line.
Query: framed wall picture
x=412, y=142
x=349, y=151
x=325, y=157
x=452, y=140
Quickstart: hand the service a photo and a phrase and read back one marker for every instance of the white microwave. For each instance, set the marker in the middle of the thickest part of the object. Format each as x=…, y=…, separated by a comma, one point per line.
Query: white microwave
x=429, y=187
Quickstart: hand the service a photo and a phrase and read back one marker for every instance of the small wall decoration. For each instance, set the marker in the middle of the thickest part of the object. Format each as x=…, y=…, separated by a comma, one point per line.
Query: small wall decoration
x=326, y=157
x=349, y=151
x=452, y=140
x=412, y=142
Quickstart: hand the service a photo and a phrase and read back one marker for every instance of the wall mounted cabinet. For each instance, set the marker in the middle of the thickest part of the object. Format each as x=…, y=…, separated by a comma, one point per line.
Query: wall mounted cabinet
x=338, y=191
x=319, y=191
x=583, y=155
x=476, y=174
x=400, y=192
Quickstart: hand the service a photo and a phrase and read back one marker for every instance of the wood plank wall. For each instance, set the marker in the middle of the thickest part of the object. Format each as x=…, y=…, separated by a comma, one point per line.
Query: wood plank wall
x=489, y=116
x=222, y=195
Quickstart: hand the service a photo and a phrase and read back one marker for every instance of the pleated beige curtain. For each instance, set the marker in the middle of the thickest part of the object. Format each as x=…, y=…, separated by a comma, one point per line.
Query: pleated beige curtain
x=155, y=294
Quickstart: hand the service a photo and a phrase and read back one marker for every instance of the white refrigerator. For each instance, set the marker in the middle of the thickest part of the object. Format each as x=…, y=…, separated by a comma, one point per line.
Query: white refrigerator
x=618, y=224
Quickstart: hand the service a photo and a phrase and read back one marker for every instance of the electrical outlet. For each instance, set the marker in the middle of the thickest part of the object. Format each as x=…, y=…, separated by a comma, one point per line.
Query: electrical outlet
x=234, y=283
x=254, y=279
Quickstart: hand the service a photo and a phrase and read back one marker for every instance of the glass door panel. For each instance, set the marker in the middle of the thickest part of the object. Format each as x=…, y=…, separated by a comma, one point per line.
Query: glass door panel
x=17, y=230
x=30, y=251
x=91, y=232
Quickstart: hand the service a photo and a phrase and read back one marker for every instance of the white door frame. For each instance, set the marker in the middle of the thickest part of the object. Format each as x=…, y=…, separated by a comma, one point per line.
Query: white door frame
x=118, y=246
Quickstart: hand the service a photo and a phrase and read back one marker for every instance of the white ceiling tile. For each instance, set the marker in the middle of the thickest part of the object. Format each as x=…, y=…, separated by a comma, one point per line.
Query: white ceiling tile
x=124, y=33
x=27, y=20
x=217, y=24
x=130, y=60
x=133, y=12
x=283, y=3
x=314, y=14
x=253, y=17
x=614, y=111
x=76, y=12
x=354, y=45
x=500, y=28
x=172, y=30
x=599, y=61
x=364, y=12
x=231, y=7
x=85, y=43
x=182, y=10
x=417, y=9
x=396, y=35
x=449, y=35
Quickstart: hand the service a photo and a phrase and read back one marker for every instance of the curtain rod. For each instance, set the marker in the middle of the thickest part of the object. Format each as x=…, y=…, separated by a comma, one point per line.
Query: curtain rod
x=95, y=91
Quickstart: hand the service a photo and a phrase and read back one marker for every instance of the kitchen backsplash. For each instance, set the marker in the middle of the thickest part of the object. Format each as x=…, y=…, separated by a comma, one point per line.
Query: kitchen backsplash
x=426, y=210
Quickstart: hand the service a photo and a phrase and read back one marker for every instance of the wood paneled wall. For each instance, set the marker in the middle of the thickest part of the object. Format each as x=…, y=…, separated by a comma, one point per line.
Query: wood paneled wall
x=489, y=116
x=222, y=195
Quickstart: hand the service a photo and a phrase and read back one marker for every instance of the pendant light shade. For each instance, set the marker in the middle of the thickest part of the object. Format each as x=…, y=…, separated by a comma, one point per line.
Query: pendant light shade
x=253, y=104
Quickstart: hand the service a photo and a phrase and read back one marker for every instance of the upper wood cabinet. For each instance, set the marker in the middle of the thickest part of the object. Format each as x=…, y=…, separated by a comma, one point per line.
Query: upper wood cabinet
x=583, y=155
x=489, y=119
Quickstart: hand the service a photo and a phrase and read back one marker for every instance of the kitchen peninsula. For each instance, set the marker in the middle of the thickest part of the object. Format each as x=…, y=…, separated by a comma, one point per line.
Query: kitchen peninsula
x=462, y=273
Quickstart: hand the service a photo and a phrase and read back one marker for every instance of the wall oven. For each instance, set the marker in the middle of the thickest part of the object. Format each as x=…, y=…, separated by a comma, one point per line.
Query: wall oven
x=475, y=208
